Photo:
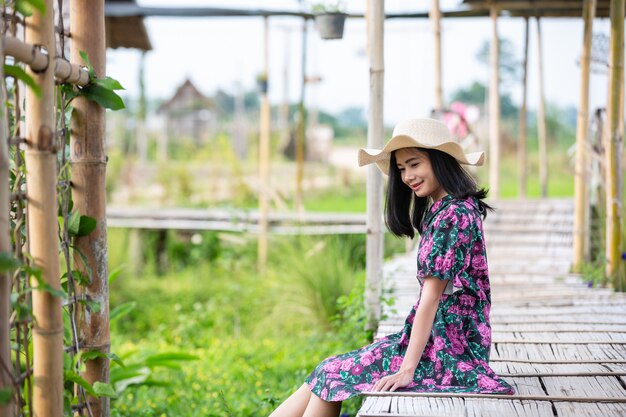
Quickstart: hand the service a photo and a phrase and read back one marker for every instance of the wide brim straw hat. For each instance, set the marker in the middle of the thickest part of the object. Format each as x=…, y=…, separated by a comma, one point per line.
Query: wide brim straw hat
x=419, y=133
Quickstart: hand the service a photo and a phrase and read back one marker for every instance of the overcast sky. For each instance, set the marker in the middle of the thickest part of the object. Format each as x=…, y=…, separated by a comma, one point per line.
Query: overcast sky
x=224, y=53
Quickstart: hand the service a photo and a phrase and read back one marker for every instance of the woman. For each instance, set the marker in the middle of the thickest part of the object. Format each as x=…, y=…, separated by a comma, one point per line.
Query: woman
x=445, y=343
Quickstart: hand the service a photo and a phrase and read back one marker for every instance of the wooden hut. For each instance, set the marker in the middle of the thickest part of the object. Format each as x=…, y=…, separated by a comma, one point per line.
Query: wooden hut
x=126, y=31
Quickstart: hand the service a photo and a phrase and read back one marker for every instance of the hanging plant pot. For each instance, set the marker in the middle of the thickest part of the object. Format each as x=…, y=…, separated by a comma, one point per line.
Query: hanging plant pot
x=330, y=25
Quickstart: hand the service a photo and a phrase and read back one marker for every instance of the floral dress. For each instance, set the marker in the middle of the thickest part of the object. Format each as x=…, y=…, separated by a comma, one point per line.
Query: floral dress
x=456, y=355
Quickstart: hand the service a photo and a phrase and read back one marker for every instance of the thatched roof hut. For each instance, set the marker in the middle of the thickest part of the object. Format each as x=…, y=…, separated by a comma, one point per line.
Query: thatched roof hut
x=127, y=31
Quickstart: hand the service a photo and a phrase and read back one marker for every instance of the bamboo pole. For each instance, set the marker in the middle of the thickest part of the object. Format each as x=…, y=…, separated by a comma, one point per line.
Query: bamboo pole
x=521, y=149
x=541, y=119
x=301, y=131
x=88, y=169
x=33, y=56
x=494, y=107
x=264, y=154
x=43, y=225
x=5, y=248
x=435, y=16
x=582, y=125
x=142, y=137
x=375, y=13
x=614, y=139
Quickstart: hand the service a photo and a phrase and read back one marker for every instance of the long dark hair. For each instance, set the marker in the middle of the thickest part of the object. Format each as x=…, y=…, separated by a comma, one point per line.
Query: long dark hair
x=404, y=210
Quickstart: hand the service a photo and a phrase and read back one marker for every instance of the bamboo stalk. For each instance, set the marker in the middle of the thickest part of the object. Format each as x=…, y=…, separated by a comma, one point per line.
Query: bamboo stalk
x=435, y=17
x=264, y=154
x=43, y=226
x=521, y=149
x=88, y=169
x=541, y=119
x=301, y=128
x=613, y=139
x=375, y=13
x=6, y=382
x=580, y=234
x=494, y=107
x=38, y=60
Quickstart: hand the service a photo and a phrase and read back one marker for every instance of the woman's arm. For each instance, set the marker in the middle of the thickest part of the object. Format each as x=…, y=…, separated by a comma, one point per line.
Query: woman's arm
x=422, y=326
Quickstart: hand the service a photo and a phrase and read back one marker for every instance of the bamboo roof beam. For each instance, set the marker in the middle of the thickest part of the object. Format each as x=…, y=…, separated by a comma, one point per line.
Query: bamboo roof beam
x=38, y=59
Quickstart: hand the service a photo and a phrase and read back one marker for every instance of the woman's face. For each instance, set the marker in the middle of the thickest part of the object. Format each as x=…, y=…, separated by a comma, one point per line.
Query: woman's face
x=417, y=173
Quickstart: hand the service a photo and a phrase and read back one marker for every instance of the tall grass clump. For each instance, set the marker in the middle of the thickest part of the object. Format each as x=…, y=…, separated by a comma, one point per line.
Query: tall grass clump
x=312, y=274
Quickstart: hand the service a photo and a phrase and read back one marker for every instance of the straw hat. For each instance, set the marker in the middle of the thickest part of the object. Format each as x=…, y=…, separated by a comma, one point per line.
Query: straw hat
x=419, y=133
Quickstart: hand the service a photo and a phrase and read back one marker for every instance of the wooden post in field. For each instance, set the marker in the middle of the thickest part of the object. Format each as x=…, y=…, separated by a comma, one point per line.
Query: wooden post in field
x=142, y=137
x=5, y=248
x=375, y=14
x=541, y=120
x=435, y=16
x=494, y=107
x=88, y=168
x=43, y=238
x=301, y=128
x=613, y=139
x=582, y=125
x=264, y=155
x=522, y=154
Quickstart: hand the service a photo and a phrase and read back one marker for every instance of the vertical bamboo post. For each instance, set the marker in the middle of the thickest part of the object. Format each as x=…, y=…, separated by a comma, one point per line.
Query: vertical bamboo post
x=541, y=119
x=284, y=107
x=582, y=125
x=435, y=16
x=613, y=138
x=375, y=15
x=521, y=149
x=301, y=130
x=264, y=155
x=41, y=179
x=5, y=248
x=142, y=137
x=88, y=168
x=494, y=106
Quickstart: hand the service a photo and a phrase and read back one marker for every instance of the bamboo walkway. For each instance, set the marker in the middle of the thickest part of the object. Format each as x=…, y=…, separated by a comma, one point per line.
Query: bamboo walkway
x=561, y=344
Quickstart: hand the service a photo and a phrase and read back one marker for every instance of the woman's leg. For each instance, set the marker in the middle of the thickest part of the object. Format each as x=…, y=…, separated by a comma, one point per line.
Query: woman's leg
x=295, y=405
x=320, y=408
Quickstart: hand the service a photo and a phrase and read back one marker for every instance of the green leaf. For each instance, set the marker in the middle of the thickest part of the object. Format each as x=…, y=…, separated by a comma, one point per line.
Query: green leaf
x=103, y=96
x=5, y=395
x=73, y=223
x=85, y=57
x=8, y=262
x=115, y=274
x=109, y=83
x=104, y=390
x=85, y=261
x=121, y=310
x=19, y=74
x=167, y=359
x=86, y=226
x=27, y=7
x=77, y=379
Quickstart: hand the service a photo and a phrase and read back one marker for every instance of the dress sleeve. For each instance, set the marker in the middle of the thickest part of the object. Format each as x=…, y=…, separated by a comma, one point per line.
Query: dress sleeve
x=446, y=251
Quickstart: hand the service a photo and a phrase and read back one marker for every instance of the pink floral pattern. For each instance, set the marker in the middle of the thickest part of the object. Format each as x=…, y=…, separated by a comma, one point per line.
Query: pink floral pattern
x=456, y=356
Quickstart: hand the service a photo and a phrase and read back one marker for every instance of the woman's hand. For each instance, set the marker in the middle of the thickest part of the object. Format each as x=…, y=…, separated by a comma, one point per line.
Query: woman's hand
x=394, y=382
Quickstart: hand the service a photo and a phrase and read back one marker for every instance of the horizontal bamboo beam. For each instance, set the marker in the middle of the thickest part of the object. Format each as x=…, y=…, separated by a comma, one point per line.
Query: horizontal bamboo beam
x=496, y=397
x=559, y=362
x=38, y=60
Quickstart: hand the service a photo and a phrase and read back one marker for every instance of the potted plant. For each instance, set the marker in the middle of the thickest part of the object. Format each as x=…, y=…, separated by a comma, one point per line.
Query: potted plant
x=329, y=19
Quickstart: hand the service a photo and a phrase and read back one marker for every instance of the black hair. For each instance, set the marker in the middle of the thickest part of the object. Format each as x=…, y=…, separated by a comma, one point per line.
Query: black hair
x=404, y=210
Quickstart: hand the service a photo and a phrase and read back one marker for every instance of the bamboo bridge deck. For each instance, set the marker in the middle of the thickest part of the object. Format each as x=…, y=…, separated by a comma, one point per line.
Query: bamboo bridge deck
x=559, y=342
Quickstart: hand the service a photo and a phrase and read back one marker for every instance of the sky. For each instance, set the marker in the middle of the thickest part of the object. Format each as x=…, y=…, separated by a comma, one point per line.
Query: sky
x=227, y=54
